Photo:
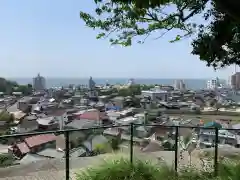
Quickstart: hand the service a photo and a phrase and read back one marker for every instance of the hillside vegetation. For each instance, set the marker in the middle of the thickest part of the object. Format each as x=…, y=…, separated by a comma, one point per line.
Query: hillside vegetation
x=122, y=169
x=7, y=87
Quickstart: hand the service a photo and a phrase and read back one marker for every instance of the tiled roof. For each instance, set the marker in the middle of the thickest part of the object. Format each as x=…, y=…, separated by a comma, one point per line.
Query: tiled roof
x=58, y=112
x=92, y=115
x=39, y=139
x=23, y=147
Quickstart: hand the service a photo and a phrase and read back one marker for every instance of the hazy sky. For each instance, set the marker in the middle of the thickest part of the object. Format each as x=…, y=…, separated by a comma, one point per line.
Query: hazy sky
x=47, y=36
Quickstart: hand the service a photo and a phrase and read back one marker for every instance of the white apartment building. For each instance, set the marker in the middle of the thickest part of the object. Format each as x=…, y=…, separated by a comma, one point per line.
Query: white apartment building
x=39, y=83
x=213, y=83
x=156, y=94
x=179, y=85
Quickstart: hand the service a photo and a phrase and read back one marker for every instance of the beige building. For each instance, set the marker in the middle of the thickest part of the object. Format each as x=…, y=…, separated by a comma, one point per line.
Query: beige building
x=235, y=81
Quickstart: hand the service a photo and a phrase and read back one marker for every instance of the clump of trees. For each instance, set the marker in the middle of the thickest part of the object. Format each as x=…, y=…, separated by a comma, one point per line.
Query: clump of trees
x=127, y=91
x=6, y=160
x=8, y=87
x=7, y=117
x=216, y=37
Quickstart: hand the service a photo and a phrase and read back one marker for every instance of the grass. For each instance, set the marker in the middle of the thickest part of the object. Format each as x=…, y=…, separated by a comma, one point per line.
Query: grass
x=122, y=169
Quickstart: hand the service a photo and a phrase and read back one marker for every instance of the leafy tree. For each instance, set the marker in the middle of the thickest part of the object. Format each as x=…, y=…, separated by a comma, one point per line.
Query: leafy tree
x=99, y=149
x=126, y=21
x=25, y=89
x=147, y=87
x=5, y=116
x=124, y=92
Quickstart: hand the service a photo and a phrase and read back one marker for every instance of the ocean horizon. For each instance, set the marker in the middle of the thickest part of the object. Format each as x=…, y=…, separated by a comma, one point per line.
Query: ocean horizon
x=58, y=82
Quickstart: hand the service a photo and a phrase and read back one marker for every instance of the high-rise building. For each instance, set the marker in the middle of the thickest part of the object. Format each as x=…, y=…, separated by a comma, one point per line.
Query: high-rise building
x=91, y=83
x=235, y=81
x=213, y=83
x=39, y=83
x=92, y=87
x=179, y=85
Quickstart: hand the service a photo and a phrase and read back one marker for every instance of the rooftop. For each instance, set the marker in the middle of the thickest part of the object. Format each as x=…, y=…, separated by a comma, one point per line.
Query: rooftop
x=39, y=139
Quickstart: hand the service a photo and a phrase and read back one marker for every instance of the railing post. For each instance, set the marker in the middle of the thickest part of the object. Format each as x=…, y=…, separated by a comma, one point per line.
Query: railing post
x=216, y=153
x=67, y=154
x=131, y=144
x=176, y=148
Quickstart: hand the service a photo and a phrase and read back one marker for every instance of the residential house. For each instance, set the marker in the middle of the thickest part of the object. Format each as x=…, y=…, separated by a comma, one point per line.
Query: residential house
x=207, y=138
x=33, y=144
x=113, y=115
x=99, y=118
x=76, y=98
x=24, y=104
x=118, y=101
x=17, y=94
x=28, y=124
x=48, y=123
x=60, y=115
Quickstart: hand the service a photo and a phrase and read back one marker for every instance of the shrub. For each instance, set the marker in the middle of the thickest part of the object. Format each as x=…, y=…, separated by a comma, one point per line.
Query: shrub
x=122, y=169
x=6, y=160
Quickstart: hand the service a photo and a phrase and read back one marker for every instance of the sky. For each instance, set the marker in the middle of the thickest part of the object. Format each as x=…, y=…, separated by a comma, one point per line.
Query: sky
x=48, y=37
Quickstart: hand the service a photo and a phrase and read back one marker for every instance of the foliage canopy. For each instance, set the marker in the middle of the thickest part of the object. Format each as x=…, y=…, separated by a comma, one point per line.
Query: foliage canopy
x=217, y=36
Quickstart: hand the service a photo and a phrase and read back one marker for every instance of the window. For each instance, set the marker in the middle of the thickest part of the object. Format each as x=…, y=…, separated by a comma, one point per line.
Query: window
x=206, y=139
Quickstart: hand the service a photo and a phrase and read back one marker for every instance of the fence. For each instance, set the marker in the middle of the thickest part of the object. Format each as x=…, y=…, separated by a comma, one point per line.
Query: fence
x=131, y=127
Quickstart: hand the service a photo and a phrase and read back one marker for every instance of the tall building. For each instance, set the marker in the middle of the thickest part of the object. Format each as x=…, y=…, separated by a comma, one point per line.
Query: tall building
x=39, y=83
x=213, y=83
x=235, y=81
x=92, y=87
x=91, y=83
x=179, y=84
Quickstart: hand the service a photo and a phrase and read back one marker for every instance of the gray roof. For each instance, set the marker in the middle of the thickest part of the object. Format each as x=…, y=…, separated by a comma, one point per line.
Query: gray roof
x=53, y=153
x=31, y=117
x=13, y=108
x=78, y=124
x=46, y=120
x=141, y=128
x=77, y=152
x=30, y=158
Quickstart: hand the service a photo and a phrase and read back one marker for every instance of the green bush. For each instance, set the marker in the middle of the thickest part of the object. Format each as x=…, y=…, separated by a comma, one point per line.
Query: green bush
x=122, y=169
x=6, y=160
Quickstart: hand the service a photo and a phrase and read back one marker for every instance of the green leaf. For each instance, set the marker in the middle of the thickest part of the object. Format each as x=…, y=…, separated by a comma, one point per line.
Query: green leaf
x=178, y=38
x=99, y=36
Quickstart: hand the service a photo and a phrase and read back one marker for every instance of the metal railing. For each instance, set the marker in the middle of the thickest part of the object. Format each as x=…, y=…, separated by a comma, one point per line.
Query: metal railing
x=131, y=126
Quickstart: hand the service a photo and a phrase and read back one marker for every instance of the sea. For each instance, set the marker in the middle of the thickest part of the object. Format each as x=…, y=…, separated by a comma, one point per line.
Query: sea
x=59, y=82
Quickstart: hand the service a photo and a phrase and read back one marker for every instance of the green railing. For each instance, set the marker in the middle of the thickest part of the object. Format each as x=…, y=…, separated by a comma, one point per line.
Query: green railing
x=131, y=127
